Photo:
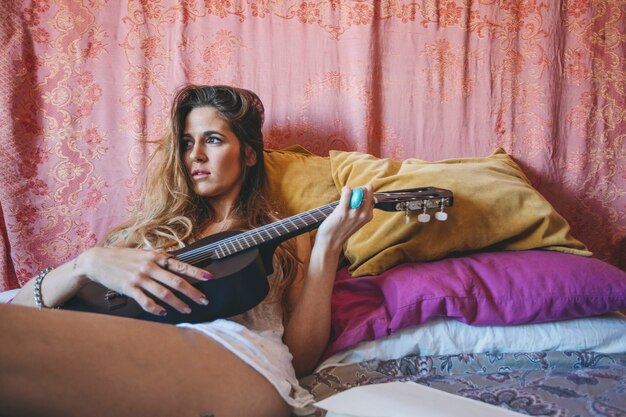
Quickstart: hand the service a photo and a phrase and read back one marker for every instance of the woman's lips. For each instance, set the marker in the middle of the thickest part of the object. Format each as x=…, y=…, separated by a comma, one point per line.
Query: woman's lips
x=198, y=174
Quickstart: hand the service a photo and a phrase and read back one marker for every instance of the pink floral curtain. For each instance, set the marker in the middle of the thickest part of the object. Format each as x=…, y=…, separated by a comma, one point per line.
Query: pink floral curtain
x=84, y=83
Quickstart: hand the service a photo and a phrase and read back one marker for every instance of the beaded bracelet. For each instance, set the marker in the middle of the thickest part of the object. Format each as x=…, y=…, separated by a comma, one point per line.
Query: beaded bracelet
x=37, y=288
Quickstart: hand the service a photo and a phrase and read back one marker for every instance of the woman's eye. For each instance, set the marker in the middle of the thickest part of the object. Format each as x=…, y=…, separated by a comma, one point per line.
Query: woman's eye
x=213, y=139
x=185, y=144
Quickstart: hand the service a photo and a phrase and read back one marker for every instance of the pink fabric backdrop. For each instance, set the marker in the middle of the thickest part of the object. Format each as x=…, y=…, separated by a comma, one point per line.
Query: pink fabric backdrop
x=83, y=83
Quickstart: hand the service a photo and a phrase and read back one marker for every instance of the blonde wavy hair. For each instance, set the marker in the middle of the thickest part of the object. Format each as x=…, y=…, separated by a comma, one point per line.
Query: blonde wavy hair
x=171, y=215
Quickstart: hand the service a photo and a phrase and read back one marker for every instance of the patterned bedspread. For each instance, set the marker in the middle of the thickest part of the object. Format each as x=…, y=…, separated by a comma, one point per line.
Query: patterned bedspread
x=563, y=384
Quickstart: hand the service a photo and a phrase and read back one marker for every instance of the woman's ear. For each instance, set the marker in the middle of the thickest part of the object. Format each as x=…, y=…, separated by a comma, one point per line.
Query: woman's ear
x=250, y=157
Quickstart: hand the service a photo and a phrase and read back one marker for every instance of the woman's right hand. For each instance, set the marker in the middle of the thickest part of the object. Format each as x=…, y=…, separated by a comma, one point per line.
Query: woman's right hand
x=140, y=274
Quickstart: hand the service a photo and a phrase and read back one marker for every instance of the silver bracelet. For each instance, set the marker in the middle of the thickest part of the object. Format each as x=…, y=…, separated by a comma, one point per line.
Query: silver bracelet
x=37, y=288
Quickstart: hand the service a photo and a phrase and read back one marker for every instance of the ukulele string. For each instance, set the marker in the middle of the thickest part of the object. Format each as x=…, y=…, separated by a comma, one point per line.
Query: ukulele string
x=208, y=252
x=241, y=241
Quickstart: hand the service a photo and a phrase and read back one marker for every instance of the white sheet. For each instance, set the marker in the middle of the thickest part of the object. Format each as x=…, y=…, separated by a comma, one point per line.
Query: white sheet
x=406, y=399
x=7, y=296
x=443, y=336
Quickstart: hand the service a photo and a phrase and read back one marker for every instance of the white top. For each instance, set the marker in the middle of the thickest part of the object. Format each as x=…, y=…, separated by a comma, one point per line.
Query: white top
x=255, y=337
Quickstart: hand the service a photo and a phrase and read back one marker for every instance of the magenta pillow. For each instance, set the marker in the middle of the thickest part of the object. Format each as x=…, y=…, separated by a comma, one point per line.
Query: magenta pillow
x=496, y=288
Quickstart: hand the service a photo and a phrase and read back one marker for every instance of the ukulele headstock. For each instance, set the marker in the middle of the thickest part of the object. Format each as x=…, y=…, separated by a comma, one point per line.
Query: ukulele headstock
x=419, y=199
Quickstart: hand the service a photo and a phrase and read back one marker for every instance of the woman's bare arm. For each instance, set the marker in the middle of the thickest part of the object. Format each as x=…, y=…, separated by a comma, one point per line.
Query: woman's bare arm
x=308, y=328
x=133, y=272
x=58, y=286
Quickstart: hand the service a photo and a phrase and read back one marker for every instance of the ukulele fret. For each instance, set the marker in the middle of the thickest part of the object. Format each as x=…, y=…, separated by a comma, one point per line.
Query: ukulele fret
x=293, y=223
x=221, y=251
x=231, y=246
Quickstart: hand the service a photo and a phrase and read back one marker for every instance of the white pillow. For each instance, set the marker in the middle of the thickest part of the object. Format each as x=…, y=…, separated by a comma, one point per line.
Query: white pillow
x=444, y=336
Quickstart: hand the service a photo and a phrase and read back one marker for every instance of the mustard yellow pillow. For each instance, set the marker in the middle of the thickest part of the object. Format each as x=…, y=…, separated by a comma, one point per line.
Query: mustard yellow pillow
x=495, y=208
x=298, y=180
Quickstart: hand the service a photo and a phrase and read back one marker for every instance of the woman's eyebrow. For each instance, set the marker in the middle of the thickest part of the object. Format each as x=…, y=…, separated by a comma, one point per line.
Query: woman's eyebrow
x=212, y=132
x=207, y=133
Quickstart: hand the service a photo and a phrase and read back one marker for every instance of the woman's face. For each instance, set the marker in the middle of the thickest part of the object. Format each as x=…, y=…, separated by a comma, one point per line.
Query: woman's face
x=211, y=153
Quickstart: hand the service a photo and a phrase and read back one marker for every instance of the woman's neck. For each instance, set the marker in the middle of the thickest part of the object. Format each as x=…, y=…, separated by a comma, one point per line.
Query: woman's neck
x=224, y=218
x=215, y=227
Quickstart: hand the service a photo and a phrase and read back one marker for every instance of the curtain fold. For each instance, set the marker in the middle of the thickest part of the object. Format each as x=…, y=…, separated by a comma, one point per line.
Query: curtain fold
x=85, y=85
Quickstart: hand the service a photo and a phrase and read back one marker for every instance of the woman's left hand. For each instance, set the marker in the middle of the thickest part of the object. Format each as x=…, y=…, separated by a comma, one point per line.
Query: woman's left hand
x=345, y=220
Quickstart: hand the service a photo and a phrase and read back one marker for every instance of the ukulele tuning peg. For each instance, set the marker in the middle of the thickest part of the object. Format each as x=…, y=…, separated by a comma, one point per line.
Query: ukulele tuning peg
x=424, y=217
x=407, y=219
x=441, y=215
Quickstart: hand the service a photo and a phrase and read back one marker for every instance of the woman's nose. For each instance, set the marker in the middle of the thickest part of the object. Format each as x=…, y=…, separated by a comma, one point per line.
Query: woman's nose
x=197, y=153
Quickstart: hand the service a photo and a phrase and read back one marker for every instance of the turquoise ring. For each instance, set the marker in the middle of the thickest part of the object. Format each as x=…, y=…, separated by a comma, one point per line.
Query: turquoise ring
x=356, y=198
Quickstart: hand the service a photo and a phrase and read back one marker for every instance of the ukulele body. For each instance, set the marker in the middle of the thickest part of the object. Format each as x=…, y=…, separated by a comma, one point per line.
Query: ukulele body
x=239, y=283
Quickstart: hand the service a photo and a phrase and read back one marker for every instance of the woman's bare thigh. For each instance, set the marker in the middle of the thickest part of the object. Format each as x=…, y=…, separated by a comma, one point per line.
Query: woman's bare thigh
x=65, y=363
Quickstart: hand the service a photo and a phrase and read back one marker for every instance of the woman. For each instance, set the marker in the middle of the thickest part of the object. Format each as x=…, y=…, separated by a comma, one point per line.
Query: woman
x=208, y=177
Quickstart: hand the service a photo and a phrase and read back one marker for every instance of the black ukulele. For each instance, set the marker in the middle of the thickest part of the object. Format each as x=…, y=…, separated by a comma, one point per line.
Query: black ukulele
x=240, y=262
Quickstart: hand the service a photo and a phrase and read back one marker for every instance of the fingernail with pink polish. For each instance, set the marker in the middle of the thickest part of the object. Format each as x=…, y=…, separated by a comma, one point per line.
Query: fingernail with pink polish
x=207, y=275
x=163, y=313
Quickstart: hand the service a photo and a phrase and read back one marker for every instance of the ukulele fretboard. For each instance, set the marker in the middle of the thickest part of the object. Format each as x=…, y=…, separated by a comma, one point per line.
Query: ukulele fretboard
x=279, y=230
